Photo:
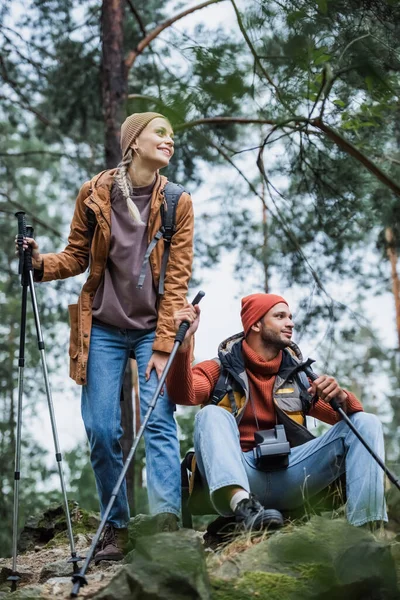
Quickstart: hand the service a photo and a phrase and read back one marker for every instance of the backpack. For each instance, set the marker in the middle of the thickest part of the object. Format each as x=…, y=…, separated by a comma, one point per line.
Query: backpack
x=172, y=192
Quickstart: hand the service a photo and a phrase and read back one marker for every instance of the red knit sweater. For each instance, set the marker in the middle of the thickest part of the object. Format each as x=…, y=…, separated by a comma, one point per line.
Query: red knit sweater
x=191, y=386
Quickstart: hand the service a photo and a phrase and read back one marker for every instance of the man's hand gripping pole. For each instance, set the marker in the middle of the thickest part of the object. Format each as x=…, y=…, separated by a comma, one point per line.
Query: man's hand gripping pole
x=306, y=367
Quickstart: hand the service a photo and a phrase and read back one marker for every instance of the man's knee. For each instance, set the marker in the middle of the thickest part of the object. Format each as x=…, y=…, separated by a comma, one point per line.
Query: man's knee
x=211, y=415
x=366, y=421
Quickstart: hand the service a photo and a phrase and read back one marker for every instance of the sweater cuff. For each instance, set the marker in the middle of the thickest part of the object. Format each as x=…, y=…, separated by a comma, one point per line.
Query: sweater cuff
x=353, y=405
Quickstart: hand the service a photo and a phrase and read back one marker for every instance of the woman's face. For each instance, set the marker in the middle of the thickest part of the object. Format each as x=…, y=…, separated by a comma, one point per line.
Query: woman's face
x=155, y=145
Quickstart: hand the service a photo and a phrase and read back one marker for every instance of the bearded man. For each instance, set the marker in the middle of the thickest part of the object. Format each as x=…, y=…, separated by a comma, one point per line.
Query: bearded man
x=256, y=383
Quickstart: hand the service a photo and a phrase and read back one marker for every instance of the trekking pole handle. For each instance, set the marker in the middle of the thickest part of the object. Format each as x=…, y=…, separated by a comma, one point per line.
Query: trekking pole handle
x=21, y=223
x=184, y=326
x=313, y=376
x=28, y=251
x=20, y=238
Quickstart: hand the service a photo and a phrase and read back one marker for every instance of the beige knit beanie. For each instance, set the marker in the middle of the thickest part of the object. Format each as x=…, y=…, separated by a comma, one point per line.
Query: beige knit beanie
x=133, y=126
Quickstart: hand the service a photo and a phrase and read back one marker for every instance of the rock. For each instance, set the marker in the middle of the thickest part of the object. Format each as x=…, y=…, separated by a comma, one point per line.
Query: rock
x=52, y=526
x=32, y=592
x=395, y=551
x=25, y=574
x=60, y=568
x=263, y=586
x=167, y=566
x=328, y=558
x=142, y=526
x=58, y=587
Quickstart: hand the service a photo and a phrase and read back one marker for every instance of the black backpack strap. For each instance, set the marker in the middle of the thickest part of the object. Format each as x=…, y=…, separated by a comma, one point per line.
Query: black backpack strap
x=172, y=192
x=223, y=387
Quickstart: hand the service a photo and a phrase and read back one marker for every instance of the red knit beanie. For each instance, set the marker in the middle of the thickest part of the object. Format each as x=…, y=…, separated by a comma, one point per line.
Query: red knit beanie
x=256, y=306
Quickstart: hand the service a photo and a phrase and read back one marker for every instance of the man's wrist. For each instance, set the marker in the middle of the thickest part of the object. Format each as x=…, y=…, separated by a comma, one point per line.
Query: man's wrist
x=342, y=400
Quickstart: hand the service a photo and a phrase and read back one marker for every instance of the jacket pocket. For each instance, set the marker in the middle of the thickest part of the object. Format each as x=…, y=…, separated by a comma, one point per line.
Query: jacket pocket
x=74, y=333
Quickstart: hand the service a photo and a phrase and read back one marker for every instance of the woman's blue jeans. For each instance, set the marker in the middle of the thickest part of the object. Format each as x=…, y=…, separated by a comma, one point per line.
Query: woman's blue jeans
x=108, y=355
x=312, y=466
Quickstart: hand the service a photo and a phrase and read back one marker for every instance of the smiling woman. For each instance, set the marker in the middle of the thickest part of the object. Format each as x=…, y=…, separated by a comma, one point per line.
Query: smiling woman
x=120, y=314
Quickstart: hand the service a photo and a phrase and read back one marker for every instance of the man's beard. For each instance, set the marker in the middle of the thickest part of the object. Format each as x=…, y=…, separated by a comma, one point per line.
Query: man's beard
x=271, y=338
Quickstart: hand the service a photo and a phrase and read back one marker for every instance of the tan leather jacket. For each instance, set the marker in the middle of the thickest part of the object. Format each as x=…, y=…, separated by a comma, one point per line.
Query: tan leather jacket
x=74, y=259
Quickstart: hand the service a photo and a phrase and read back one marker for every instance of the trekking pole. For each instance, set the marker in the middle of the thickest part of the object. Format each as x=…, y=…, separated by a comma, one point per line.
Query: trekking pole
x=14, y=577
x=79, y=579
x=25, y=270
x=336, y=406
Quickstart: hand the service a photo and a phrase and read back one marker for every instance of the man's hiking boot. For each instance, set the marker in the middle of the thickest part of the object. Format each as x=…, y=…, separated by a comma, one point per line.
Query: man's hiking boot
x=112, y=545
x=220, y=532
x=252, y=516
x=167, y=522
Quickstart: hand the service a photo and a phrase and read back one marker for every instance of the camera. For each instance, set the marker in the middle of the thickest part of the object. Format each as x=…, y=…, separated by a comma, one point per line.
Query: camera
x=272, y=449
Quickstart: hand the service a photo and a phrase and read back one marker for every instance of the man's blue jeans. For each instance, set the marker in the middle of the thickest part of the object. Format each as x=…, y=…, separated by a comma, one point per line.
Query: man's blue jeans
x=312, y=466
x=101, y=412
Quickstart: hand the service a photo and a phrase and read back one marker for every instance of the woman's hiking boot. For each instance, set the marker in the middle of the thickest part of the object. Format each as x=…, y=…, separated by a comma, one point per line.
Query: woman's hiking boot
x=112, y=545
x=252, y=516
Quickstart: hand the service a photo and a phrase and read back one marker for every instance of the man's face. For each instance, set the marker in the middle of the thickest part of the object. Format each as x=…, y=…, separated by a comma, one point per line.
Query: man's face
x=276, y=326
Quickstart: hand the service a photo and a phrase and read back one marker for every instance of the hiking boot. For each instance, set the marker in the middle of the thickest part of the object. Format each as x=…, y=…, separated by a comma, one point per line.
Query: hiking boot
x=252, y=516
x=167, y=522
x=112, y=545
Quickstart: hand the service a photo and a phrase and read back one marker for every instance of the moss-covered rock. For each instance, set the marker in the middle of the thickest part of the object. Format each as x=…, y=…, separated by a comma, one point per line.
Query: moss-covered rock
x=32, y=592
x=146, y=525
x=326, y=558
x=167, y=566
x=259, y=585
x=51, y=526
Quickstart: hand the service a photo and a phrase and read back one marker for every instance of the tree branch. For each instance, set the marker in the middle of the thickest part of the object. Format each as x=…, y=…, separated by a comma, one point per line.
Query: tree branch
x=230, y=161
x=255, y=55
x=132, y=56
x=333, y=135
x=365, y=35
x=137, y=17
x=30, y=152
x=348, y=147
x=31, y=214
x=240, y=120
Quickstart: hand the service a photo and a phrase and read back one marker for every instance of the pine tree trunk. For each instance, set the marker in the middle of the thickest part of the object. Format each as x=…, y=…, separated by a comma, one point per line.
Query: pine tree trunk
x=114, y=90
x=114, y=77
x=392, y=255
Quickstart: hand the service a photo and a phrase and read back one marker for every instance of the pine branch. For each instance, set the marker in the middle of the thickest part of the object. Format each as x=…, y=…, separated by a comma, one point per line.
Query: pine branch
x=137, y=17
x=333, y=135
x=349, y=148
x=35, y=219
x=31, y=152
x=255, y=55
x=132, y=56
x=230, y=161
x=240, y=120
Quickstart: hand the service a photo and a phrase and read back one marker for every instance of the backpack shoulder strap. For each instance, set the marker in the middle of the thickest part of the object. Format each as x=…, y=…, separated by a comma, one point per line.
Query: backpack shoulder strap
x=225, y=385
x=172, y=192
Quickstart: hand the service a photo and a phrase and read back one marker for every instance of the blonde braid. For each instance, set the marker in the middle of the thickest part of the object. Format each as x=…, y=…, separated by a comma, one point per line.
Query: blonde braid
x=124, y=183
